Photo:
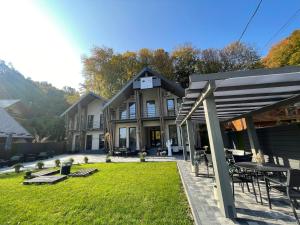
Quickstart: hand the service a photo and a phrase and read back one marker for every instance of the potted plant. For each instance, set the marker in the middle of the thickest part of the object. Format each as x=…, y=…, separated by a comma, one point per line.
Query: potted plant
x=28, y=174
x=86, y=159
x=40, y=165
x=17, y=167
x=57, y=163
x=142, y=156
x=108, y=159
x=71, y=160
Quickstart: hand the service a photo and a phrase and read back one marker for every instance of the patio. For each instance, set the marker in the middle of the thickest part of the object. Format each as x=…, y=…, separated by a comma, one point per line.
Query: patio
x=199, y=191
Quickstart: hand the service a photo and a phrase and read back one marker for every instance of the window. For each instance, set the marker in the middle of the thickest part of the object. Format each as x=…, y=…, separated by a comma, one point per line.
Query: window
x=90, y=121
x=123, y=112
x=122, y=137
x=101, y=122
x=173, y=135
x=171, y=107
x=151, y=111
x=101, y=141
x=132, y=138
x=132, y=110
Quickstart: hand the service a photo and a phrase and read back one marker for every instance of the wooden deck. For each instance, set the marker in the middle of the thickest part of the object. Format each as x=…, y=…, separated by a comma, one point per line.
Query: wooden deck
x=83, y=172
x=45, y=172
x=45, y=179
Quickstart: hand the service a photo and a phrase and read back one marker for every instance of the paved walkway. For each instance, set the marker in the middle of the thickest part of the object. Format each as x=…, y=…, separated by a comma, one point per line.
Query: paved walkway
x=204, y=207
x=78, y=158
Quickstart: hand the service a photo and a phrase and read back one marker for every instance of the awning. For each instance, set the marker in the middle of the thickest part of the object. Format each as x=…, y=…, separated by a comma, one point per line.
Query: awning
x=241, y=93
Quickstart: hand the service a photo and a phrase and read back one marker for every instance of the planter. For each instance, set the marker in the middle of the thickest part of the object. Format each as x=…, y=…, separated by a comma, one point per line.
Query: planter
x=143, y=160
x=108, y=160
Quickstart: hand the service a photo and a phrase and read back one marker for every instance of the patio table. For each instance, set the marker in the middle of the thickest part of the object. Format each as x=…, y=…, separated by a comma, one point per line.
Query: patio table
x=262, y=168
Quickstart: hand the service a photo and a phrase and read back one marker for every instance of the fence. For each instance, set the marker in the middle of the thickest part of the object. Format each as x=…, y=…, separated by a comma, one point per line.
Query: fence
x=32, y=148
x=280, y=142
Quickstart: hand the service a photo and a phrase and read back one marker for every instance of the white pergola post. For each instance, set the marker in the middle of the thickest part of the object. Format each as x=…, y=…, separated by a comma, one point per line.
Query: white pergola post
x=222, y=178
x=183, y=141
x=191, y=136
x=253, y=139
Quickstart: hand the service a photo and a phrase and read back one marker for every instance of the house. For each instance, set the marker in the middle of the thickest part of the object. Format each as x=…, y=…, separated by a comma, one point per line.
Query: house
x=11, y=111
x=142, y=114
x=85, y=123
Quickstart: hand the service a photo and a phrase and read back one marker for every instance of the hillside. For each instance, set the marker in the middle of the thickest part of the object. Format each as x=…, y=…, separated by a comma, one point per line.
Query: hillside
x=44, y=102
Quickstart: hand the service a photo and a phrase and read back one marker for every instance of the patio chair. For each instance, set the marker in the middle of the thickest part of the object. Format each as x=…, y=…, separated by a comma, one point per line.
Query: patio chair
x=3, y=163
x=241, y=178
x=290, y=187
x=43, y=155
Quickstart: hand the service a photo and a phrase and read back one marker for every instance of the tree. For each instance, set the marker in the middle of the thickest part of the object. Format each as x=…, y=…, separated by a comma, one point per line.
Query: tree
x=239, y=56
x=185, y=61
x=71, y=95
x=286, y=52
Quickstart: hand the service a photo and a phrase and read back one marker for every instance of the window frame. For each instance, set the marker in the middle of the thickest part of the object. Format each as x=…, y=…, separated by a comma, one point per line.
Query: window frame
x=122, y=145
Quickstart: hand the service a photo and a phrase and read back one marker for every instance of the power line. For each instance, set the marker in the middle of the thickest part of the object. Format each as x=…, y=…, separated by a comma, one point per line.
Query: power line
x=282, y=27
x=249, y=21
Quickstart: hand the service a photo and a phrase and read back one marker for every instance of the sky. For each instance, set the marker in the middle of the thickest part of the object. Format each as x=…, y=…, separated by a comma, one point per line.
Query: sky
x=45, y=40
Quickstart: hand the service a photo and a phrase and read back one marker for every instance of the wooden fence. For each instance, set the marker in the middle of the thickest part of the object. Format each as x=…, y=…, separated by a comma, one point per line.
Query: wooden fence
x=32, y=148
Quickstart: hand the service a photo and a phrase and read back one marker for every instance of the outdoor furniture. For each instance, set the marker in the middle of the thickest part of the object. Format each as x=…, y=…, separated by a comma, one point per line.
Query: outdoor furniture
x=123, y=151
x=45, y=179
x=45, y=172
x=43, y=155
x=83, y=172
x=16, y=159
x=31, y=157
x=241, y=177
x=117, y=152
x=261, y=169
x=288, y=187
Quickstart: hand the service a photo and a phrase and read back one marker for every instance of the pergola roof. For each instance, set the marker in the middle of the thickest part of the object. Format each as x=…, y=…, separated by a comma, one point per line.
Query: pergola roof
x=241, y=93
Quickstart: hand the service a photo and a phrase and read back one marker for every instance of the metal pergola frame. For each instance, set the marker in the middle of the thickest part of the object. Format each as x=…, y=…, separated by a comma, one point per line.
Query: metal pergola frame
x=224, y=97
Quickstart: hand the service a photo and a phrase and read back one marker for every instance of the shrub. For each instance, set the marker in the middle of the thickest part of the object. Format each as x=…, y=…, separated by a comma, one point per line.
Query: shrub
x=142, y=156
x=28, y=174
x=40, y=165
x=71, y=160
x=86, y=159
x=108, y=159
x=17, y=167
x=57, y=163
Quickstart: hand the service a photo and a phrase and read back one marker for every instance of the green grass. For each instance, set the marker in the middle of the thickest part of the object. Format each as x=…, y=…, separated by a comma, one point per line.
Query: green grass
x=120, y=193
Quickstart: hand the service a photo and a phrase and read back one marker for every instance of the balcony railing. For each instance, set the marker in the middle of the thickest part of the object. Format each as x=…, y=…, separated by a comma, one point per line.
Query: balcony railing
x=94, y=125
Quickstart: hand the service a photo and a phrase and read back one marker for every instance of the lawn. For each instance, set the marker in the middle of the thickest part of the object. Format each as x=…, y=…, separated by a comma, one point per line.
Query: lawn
x=120, y=193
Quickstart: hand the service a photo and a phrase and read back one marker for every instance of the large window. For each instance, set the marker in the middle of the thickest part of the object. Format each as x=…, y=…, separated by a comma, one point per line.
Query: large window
x=101, y=122
x=171, y=107
x=173, y=134
x=123, y=112
x=151, y=111
x=122, y=137
x=132, y=110
x=101, y=141
x=132, y=138
x=90, y=121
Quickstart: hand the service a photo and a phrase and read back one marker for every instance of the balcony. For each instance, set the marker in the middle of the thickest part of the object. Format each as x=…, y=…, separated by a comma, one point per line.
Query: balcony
x=94, y=125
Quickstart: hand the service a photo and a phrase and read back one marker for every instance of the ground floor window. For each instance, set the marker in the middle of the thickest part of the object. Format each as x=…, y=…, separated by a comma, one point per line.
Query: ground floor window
x=89, y=141
x=122, y=137
x=173, y=134
x=101, y=141
x=132, y=138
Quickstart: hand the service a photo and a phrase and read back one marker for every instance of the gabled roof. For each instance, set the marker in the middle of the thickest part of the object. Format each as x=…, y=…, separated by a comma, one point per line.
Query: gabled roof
x=5, y=103
x=169, y=85
x=85, y=99
x=8, y=125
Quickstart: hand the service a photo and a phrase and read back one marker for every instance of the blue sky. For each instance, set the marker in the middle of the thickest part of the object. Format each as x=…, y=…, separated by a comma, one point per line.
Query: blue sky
x=78, y=25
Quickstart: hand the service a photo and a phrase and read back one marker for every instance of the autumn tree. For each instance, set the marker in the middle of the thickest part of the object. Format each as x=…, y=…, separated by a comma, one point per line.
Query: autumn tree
x=286, y=52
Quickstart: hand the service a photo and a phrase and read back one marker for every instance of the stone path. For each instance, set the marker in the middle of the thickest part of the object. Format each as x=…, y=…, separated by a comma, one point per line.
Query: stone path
x=204, y=207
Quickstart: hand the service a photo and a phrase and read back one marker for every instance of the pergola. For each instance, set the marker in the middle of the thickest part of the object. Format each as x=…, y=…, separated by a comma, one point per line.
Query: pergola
x=224, y=97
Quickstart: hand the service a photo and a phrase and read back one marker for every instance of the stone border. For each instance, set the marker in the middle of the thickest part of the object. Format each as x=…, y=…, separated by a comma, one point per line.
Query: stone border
x=190, y=200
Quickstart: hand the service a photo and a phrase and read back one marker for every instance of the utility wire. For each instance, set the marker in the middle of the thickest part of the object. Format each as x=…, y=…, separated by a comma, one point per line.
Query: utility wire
x=253, y=15
x=282, y=27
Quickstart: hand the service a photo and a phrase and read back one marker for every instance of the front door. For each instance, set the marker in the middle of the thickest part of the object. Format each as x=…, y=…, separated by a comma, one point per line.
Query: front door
x=155, y=137
x=89, y=139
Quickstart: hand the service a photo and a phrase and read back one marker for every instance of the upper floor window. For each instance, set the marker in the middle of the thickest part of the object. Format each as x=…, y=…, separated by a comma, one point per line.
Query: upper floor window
x=151, y=110
x=101, y=123
x=132, y=110
x=123, y=112
x=90, y=121
x=171, y=107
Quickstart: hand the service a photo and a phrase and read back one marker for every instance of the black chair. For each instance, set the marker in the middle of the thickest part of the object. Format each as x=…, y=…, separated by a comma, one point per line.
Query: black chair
x=290, y=187
x=241, y=177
